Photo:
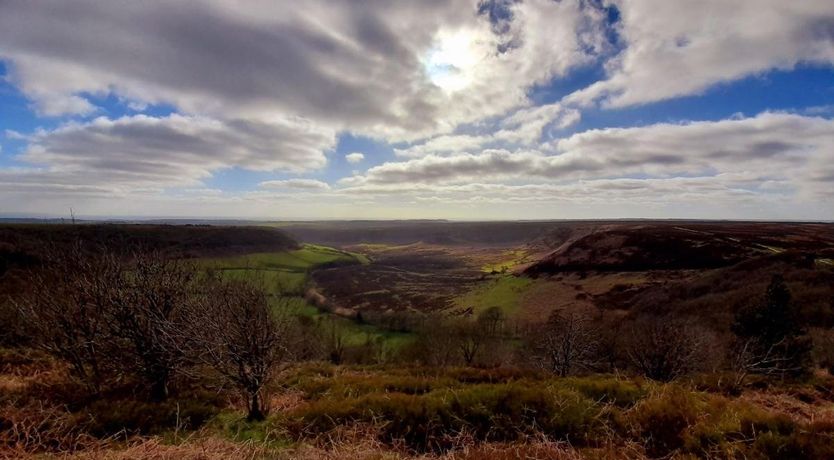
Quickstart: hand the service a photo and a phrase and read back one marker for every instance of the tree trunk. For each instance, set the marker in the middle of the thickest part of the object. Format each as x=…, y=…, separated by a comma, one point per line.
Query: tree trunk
x=159, y=388
x=255, y=411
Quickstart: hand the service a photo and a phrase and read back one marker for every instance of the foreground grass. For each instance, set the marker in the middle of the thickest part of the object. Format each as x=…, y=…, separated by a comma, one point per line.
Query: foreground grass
x=326, y=411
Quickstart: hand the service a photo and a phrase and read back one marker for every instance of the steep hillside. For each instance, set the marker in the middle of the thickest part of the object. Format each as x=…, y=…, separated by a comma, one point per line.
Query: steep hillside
x=716, y=294
x=679, y=246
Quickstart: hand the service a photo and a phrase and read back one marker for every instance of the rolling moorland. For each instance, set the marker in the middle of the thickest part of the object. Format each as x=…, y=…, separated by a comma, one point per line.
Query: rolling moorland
x=417, y=339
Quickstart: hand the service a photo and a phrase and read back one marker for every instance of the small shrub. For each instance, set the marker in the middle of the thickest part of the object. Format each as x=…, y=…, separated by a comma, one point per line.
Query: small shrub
x=661, y=420
x=726, y=426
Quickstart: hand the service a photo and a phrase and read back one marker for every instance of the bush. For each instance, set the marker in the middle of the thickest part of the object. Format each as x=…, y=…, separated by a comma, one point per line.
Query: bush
x=661, y=420
x=726, y=426
x=665, y=348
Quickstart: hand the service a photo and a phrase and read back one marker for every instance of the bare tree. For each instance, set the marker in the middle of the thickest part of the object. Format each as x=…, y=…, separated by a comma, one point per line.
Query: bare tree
x=470, y=338
x=666, y=348
x=435, y=344
x=492, y=320
x=148, y=316
x=236, y=332
x=566, y=342
x=304, y=339
x=750, y=357
x=335, y=338
x=69, y=307
x=771, y=338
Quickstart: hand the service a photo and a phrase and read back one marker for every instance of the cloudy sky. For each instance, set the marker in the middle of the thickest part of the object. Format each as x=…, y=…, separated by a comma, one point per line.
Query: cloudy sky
x=329, y=109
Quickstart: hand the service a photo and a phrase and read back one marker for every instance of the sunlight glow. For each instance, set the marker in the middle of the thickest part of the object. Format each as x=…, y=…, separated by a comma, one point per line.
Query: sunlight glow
x=450, y=63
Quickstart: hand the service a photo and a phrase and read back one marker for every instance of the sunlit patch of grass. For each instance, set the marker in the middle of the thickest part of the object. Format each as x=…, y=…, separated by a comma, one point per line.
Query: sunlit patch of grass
x=356, y=334
x=272, y=281
x=504, y=292
x=509, y=260
x=381, y=247
x=298, y=260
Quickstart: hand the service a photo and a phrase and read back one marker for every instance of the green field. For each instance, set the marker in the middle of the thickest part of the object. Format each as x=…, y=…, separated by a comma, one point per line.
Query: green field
x=281, y=272
x=502, y=291
x=300, y=260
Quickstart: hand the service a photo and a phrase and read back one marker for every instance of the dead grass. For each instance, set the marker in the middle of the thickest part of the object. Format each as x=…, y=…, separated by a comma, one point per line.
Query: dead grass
x=808, y=411
x=202, y=448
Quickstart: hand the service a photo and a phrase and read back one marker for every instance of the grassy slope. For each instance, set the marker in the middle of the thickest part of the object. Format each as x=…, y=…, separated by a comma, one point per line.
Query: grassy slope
x=510, y=259
x=281, y=272
x=503, y=291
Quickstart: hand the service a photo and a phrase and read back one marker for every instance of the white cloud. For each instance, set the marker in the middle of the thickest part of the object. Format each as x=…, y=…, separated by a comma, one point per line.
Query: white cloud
x=355, y=157
x=14, y=135
x=297, y=184
x=339, y=64
x=678, y=47
x=141, y=151
x=523, y=127
x=769, y=148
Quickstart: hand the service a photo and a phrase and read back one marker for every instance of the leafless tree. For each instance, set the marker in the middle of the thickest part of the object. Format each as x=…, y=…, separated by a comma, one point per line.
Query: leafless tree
x=666, y=348
x=470, y=338
x=435, y=343
x=492, y=320
x=69, y=306
x=568, y=341
x=335, y=338
x=304, y=340
x=148, y=317
x=236, y=331
x=771, y=337
x=750, y=357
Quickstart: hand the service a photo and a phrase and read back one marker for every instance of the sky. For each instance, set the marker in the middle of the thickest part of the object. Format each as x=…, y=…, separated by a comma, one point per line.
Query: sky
x=381, y=109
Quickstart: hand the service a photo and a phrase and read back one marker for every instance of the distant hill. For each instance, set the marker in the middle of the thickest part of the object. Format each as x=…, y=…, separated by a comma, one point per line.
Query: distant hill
x=426, y=231
x=677, y=246
x=23, y=245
